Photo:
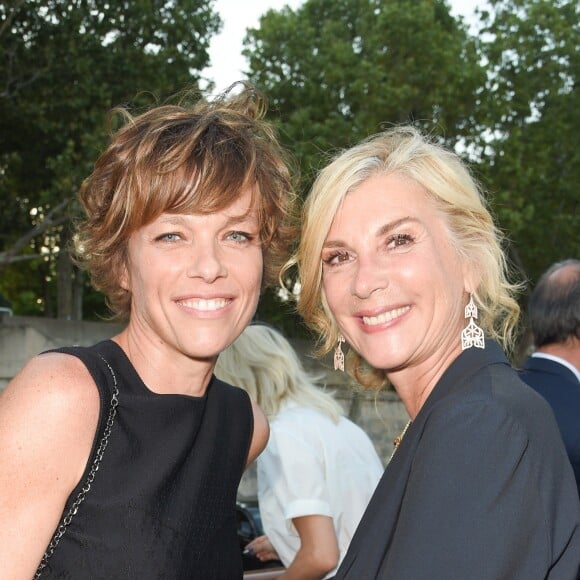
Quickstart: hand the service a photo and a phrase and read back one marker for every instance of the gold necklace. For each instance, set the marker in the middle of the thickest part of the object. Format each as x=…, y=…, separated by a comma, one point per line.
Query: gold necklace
x=397, y=440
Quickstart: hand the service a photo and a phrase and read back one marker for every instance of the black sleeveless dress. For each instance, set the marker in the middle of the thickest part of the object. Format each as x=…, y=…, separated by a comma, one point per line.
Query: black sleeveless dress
x=162, y=502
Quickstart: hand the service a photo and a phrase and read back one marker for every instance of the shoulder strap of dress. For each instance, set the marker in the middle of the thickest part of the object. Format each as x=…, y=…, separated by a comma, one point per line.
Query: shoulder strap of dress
x=103, y=374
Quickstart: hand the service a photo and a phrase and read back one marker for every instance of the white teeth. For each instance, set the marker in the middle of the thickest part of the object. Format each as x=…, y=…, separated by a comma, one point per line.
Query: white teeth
x=385, y=316
x=206, y=305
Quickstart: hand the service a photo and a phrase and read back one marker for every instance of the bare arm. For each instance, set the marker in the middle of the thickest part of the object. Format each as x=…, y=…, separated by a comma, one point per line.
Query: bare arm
x=48, y=419
x=261, y=433
x=318, y=553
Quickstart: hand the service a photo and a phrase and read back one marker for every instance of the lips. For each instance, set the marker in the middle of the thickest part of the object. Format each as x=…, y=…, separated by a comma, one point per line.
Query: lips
x=385, y=317
x=205, y=305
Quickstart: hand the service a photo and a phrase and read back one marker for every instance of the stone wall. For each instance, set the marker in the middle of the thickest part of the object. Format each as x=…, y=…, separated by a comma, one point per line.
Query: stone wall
x=22, y=337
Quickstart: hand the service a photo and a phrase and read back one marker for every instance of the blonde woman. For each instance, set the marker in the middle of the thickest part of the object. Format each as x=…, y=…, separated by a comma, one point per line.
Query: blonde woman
x=318, y=471
x=400, y=259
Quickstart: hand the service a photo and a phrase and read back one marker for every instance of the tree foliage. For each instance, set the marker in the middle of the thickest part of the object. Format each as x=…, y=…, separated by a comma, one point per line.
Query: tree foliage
x=531, y=126
x=63, y=65
x=336, y=71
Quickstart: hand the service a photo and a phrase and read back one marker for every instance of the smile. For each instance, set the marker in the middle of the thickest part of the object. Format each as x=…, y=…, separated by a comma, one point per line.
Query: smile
x=206, y=305
x=385, y=316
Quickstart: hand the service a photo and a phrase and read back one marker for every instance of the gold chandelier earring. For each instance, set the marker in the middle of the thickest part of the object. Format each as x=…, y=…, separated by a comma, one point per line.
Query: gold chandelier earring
x=472, y=335
x=339, y=355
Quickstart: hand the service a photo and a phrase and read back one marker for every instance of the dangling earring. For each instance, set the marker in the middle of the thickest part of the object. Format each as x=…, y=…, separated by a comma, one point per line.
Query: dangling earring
x=339, y=355
x=472, y=335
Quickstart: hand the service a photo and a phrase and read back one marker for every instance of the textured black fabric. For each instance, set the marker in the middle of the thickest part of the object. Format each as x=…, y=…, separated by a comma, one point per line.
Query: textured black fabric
x=162, y=504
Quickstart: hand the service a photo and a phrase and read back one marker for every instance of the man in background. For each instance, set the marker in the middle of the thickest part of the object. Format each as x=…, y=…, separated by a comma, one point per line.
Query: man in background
x=553, y=369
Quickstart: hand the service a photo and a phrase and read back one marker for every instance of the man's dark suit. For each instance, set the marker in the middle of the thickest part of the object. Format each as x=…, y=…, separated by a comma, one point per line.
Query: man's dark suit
x=560, y=387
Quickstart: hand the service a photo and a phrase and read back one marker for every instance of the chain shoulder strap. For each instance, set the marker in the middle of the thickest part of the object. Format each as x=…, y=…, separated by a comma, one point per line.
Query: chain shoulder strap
x=66, y=520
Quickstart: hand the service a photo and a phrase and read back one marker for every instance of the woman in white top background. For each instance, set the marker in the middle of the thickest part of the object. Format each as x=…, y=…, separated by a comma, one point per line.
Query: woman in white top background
x=318, y=471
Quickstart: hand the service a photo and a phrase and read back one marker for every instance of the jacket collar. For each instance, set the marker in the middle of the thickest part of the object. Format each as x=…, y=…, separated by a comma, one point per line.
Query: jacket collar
x=467, y=364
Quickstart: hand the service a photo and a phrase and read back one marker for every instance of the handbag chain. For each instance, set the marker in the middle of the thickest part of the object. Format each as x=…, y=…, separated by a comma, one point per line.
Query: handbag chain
x=66, y=520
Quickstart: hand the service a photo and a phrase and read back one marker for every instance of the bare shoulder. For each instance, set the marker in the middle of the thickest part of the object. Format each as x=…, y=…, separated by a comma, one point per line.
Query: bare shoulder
x=54, y=384
x=261, y=433
x=49, y=409
x=48, y=418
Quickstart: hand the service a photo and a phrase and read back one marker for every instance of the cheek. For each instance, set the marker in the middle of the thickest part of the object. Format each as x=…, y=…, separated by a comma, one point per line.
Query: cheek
x=332, y=292
x=331, y=298
x=251, y=271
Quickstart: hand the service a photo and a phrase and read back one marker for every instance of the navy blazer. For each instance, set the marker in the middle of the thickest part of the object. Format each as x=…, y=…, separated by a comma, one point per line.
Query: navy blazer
x=560, y=387
x=480, y=488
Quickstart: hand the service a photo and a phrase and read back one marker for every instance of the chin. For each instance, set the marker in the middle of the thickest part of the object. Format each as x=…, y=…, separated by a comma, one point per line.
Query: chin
x=205, y=351
x=386, y=360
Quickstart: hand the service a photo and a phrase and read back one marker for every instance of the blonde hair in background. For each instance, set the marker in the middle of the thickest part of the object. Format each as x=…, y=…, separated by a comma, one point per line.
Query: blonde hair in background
x=263, y=363
x=453, y=190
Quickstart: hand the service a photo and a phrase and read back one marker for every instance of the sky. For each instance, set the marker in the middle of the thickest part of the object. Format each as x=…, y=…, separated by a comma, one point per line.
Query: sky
x=225, y=49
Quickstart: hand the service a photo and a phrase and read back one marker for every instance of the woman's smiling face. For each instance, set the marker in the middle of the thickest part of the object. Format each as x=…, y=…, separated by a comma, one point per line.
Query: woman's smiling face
x=195, y=279
x=391, y=276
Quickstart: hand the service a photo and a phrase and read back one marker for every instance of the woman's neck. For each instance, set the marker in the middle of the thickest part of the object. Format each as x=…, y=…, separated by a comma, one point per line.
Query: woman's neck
x=415, y=384
x=165, y=370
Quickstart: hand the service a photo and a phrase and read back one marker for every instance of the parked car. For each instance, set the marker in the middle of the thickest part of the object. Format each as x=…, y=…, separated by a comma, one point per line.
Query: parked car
x=250, y=527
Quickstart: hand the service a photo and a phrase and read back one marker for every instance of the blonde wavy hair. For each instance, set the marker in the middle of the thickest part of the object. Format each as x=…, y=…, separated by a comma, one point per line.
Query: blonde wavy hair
x=182, y=159
x=263, y=363
x=453, y=190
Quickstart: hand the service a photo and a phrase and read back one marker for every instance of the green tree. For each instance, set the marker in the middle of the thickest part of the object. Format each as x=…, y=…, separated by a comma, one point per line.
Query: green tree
x=530, y=143
x=63, y=65
x=336, y=71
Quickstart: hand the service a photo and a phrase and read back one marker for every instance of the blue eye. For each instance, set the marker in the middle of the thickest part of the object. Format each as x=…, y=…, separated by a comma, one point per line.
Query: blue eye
x=240, y=237
x=168, y=237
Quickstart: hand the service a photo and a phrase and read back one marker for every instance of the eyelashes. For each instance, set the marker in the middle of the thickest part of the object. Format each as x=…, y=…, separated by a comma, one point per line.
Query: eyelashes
x=394, y=242
x=168, y=237
x=335, y=257
x=241, y=237
x=399, y=240
x=238, y=237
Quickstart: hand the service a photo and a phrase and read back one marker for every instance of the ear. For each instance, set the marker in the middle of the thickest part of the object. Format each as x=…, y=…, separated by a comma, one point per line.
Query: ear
x=471, y=276
x=124, y=278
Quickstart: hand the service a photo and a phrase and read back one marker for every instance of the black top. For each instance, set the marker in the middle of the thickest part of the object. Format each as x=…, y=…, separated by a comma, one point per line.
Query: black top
x=480, y=488
x=560, y=387
x=162, y=503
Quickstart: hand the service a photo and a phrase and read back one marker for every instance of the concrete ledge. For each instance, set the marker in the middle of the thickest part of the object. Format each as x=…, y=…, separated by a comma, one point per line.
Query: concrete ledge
x=22, y=337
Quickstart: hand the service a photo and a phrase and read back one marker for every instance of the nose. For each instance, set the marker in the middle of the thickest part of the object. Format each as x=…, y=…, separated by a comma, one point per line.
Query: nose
x=206, y=262
x=369, y=277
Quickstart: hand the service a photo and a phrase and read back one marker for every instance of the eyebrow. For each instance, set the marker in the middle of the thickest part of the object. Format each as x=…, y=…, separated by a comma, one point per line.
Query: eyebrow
x=382, y=231
x=250, y=216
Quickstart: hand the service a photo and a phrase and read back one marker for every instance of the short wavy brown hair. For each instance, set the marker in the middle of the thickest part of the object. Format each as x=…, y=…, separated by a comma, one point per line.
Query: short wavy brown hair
x=184, y=159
